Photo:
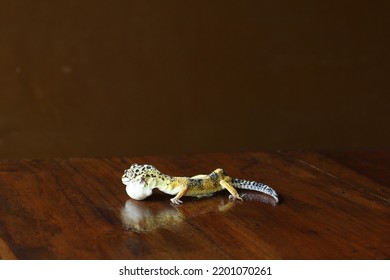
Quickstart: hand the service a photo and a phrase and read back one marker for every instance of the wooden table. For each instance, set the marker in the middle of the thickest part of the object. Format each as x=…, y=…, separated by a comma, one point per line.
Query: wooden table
x=333, y=206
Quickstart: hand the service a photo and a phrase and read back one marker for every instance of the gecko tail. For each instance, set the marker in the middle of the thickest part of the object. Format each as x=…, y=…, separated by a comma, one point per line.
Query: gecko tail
x=255, y=186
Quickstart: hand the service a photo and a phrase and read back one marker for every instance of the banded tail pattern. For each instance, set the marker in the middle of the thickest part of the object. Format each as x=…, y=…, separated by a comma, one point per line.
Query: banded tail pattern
x=255, y=186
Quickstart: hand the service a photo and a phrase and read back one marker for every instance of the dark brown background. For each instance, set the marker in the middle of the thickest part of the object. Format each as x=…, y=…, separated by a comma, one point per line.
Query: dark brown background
x=82, y=78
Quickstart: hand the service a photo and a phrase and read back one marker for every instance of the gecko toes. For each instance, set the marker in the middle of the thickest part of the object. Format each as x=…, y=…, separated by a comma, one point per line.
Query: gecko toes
x=231, y=197
x=176, y=201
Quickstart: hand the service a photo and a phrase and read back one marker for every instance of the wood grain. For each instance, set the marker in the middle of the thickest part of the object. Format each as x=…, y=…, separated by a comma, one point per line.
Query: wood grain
x=77, y=208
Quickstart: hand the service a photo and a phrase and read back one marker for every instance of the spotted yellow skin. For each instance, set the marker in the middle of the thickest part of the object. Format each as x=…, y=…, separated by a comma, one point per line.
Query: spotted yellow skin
x=140, y=180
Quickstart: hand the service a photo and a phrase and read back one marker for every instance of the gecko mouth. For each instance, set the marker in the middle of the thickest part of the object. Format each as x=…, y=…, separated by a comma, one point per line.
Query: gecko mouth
x=125, y=179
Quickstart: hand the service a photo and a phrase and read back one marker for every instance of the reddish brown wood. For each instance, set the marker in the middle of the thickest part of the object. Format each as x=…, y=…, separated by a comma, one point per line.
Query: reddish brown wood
x=374, y=164
x=78, y=209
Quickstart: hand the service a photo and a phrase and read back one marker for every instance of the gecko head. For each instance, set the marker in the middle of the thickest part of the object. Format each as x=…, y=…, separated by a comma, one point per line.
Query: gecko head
x=135, y=180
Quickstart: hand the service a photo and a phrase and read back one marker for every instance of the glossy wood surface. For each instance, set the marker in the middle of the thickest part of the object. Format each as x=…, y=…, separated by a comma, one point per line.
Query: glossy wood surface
x=333, y=206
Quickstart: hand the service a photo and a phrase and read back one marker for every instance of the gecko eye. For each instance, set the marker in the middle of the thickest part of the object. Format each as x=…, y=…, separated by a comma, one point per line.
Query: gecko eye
x=141, y=180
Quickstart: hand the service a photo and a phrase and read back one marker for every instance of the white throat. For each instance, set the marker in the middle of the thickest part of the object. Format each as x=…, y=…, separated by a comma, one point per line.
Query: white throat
x=137, y=190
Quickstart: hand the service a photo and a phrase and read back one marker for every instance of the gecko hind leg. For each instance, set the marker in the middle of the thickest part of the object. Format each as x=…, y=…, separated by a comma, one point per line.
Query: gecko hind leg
x=233, y=192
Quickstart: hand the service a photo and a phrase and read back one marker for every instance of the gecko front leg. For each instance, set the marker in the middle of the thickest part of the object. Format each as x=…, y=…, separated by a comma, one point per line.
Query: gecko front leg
x=176, y=200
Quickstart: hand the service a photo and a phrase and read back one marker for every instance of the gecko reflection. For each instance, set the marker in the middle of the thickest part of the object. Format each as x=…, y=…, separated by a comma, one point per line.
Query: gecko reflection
x=144, y=217
x=139, y=217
